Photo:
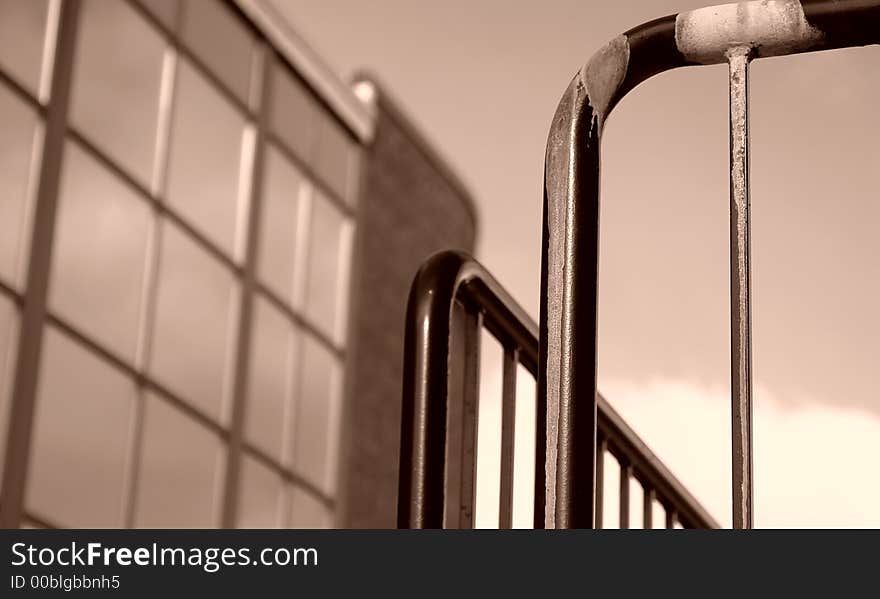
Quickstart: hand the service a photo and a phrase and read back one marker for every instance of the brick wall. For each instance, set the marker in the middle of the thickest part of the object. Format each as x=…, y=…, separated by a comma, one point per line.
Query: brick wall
x=410, y=206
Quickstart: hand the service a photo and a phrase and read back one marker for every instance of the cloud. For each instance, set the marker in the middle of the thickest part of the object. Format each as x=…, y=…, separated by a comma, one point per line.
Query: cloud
x=813, y=461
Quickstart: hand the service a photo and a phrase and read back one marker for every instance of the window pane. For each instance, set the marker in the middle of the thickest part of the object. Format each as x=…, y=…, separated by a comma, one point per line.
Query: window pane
x=19, y=159
x=316, y=435
x=260, y=495
x=206, y=148
x=220, y=39
x=306, y=511
x=292, y=112
x=283, y=191
x=333, y=151
x=180, y=469
x=82, y=429
x=194, y=319
x=22, y=35
x=329, y=254
x=271, y=369
x=117, y=77
x=99, y=255
x=9, y=321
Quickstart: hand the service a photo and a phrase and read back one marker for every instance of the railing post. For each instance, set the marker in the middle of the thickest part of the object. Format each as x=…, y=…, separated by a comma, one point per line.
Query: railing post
x=625, y=475
x=508, y=435
x=451, y=301
x=462, y=420
x=740, y=288
x=569, y=294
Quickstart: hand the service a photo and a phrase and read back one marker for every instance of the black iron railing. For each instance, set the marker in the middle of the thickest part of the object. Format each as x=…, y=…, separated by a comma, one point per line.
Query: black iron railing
x=452, y=298
x=731, y=33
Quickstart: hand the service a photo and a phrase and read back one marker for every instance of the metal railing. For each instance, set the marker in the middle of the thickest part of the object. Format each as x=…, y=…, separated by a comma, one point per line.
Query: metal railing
x=451, y=299
x=731, y=33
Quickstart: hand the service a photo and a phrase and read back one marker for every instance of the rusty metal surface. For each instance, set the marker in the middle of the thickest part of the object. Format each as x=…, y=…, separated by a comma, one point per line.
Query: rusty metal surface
x=740, y=289
x=770, y=28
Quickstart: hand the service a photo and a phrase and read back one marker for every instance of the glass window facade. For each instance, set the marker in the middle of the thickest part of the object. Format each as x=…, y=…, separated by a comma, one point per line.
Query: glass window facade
x=82, y=432
x=101, y=237
x=116, y=84
x=193, y=348
x=261, y=499
x=181, y=465
x=24, y=42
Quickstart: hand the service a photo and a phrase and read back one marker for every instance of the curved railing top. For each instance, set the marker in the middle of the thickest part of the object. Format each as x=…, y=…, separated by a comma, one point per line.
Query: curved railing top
x=705, y=35
x=437, y=285
x=450, y=276
x=733, y=33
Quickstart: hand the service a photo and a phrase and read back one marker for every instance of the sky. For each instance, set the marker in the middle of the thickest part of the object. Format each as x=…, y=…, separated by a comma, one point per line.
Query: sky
x=482, y=80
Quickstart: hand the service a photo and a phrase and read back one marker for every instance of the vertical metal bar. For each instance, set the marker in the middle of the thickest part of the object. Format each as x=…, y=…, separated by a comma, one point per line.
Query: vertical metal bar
x=569, y=301
x=470, y=390
x=431, y=379
x=648, y=508
x=508, y=433
x=602, y=447
x=740, y=288
x=34, y=302
x=670, y=517
x=252, y=197
x=625, y=474
x=455, y=420
x=462, y=417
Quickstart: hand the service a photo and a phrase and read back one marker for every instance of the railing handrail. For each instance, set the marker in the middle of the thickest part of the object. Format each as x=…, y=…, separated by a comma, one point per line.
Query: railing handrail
x=437, y=285
x=736, y=33
x=444, y=278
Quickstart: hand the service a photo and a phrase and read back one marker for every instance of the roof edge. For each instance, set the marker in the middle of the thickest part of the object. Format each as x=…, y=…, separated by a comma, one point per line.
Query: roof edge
x=375, y=95
x=309, y=65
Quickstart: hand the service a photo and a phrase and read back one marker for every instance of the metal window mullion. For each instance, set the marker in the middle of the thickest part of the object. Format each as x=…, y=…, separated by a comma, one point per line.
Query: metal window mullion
x=301, y=321
x=35, y=295
x=186, y=227
x=124, y=366
x=173, y=36
x=293, y=382
x=288, y=475
x=11, y=293
x=246, y=313
x=150, y=282
x=302, y=249
x=317, y=181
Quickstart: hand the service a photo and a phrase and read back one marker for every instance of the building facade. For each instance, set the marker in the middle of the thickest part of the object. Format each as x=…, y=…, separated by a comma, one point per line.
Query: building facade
x=206, y=242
